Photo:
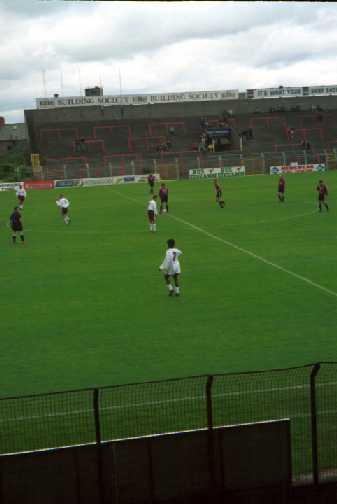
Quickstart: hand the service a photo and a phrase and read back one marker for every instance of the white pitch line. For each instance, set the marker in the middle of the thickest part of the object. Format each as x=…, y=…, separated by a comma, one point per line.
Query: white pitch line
x=245, y=251
x=256, y=256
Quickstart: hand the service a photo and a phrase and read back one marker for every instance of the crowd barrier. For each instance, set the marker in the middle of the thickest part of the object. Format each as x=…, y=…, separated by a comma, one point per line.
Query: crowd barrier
x=189, y=467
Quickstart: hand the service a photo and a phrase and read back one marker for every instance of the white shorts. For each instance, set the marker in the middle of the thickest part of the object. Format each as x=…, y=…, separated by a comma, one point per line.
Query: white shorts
x=175, y=270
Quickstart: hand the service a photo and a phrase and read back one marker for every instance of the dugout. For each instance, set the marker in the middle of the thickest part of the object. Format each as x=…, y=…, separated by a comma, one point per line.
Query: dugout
x=221, y=138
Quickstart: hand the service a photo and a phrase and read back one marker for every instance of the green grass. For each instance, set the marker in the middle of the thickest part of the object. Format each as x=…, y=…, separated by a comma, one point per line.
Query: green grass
x=85, y=305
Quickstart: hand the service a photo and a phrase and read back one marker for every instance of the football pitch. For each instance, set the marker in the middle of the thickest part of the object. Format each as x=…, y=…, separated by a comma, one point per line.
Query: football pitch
x=85, y=305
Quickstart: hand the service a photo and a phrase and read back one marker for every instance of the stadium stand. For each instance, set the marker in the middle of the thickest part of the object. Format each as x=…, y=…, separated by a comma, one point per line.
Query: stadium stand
x=143, y=138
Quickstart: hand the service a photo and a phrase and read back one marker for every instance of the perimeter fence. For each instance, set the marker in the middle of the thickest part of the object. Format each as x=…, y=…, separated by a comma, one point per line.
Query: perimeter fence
x=176, y=165
x=306, y=395
x=170, y=165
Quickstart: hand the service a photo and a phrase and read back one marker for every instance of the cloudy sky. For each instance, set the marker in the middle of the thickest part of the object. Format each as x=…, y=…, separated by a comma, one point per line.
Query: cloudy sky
x=55, y=46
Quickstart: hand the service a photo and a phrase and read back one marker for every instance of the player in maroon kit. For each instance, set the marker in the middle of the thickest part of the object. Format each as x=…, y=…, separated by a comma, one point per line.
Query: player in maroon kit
x=151, y=180
x=163, y=196
x=322, y=194
x=218, y=193
x=16, y=225
x=281, y=188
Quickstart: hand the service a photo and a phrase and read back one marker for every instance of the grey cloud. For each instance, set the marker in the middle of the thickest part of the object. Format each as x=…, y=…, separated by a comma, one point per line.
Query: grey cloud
x=172, y=45
x=143, y=29
x=34, y=8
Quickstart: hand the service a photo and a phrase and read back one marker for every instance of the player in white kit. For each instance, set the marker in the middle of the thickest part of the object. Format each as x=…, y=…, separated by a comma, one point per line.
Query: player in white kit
x=152, y=213
x=64, y=205
x=21, y=195
x=171, y=268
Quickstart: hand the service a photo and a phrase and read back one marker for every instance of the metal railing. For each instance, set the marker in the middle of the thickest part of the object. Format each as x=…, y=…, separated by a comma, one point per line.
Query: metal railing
x=174, y=165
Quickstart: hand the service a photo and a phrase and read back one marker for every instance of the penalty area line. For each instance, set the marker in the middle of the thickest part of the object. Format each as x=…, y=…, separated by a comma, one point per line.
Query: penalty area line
x=242, y=250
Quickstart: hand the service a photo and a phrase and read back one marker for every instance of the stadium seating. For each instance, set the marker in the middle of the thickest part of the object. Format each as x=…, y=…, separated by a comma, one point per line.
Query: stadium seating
x=110, y=146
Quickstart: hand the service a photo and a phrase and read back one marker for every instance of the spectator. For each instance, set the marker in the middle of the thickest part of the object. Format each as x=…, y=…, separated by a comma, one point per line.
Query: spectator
x=168, y=144
x=83, y=146
x=291, y=133
x=201, y=147
x=211, y=146
x=172, y=130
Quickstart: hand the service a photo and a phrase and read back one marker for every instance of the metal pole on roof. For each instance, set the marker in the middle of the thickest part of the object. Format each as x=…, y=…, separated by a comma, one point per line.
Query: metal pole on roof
x=44, y=83
x=120, y=84
x=61, y=82
x=79, y=80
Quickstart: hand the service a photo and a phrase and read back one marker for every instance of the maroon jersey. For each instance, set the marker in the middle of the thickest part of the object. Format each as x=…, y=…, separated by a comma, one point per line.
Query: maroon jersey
x=218, y=191
x=15, y=221
x=163, y=194
x=322, y=191
x=281, y=183
x=151, y=179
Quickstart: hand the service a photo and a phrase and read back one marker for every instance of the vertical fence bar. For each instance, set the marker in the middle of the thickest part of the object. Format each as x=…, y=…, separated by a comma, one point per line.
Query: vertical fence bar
x=263, y=159
x=98, y=444
x=176, y=162
x=96, y=416
x=211, y=451
x=305, y=157
x=209, y=403
x=313, y=408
